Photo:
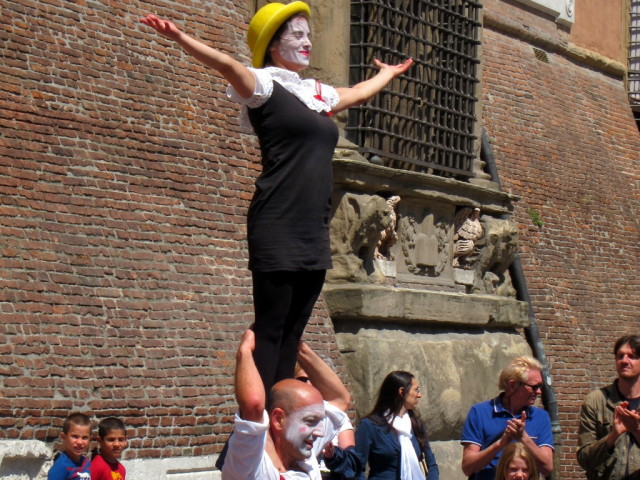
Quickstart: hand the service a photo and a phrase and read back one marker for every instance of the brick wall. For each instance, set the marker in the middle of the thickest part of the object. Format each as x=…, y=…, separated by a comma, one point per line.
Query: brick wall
x=125, y=179
x=565, y=141
x=124, y=182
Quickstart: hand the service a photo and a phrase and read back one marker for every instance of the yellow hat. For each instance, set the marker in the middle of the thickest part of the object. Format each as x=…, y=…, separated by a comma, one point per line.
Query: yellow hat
x=266, y=22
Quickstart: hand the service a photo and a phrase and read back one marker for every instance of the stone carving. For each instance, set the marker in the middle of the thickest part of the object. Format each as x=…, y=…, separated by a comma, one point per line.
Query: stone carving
x=388, y=236
x=468, y=230
x=569, y=8
x=423, y=247
x=356, y=229
x=495, y=257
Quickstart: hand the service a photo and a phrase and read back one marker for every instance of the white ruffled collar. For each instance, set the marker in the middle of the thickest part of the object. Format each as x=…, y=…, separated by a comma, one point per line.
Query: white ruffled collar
x=303, y=89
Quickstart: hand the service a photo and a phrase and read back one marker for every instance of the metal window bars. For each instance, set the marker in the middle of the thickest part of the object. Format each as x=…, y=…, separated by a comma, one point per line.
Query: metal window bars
x=424, y=120
x=633, y=78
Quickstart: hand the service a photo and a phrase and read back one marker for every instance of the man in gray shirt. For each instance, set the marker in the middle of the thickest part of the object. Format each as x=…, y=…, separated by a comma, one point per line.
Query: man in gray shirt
x=609, y=432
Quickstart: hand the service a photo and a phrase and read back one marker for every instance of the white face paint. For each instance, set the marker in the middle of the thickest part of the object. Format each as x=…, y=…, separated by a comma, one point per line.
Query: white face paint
x=303, y=427
x=294, y=45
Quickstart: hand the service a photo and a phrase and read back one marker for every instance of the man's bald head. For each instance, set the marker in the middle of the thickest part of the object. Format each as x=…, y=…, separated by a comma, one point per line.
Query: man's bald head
x=296, y=419
x=291, y=395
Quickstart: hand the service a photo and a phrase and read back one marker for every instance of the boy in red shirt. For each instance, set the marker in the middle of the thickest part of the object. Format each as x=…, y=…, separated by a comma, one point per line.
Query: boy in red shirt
x=112, y=440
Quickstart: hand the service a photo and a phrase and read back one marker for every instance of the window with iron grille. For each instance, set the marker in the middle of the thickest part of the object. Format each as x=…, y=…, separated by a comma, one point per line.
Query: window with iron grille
x=633, y=78
x=424, y=120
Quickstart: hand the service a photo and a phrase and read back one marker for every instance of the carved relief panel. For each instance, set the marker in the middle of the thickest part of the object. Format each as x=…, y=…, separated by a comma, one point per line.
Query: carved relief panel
x=400, y=241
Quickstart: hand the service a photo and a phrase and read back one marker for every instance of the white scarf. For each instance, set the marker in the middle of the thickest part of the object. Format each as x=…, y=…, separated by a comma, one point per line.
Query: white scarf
x=409, y=465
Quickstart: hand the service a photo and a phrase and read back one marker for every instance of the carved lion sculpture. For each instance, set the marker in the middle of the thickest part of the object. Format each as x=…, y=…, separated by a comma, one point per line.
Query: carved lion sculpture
x=355, y=233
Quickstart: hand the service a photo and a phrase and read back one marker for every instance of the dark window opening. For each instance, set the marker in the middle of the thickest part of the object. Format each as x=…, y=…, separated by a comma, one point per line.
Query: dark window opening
x=633, y=79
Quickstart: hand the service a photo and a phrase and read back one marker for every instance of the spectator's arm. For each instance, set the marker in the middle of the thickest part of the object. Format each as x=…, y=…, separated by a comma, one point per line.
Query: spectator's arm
x=364, y=438
x=543, y=455
x=345, y=461
x=630, y=419
x=474, y=459
x=593, y=451
x=432, y=465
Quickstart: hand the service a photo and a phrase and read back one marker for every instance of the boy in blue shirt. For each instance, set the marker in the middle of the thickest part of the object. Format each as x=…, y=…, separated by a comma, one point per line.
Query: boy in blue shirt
x=71, y=463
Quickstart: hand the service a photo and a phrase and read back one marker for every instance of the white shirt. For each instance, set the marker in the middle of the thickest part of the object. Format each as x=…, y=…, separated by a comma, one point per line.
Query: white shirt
x=247, y=460
x=305, y=89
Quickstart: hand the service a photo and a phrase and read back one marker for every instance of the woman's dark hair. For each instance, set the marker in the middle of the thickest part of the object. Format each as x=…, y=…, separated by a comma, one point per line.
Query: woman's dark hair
x=389, y=403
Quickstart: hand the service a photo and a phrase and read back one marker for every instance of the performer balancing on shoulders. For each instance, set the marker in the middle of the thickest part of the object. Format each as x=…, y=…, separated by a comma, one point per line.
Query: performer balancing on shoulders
x=288, y=219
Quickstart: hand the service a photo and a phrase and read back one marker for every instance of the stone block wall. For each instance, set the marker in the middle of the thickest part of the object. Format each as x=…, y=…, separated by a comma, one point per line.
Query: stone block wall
x=453, y=327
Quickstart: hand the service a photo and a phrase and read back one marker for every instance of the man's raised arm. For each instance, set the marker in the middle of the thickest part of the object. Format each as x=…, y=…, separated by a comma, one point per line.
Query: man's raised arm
x=249, y=387
x=323, y=378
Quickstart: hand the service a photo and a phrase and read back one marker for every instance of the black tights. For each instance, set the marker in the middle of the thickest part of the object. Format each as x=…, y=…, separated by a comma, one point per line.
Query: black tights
x=283, y=302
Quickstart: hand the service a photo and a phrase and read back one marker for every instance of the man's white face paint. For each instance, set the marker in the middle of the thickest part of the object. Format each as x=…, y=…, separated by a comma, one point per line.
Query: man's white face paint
x=295, y=44
x=303, y=427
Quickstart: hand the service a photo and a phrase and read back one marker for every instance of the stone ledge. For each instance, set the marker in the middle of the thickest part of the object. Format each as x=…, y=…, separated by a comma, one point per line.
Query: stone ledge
x=24, y=448
x=353, y=174
x=175, y=468
x=391, y=304
x=24, y=459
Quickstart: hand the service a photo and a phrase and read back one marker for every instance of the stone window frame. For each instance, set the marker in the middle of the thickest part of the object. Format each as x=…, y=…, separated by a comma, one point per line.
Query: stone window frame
x=562, y=10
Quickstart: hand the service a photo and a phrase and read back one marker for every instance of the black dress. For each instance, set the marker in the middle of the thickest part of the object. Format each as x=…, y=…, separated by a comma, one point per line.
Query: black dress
x=288, y=226
x=288, y=220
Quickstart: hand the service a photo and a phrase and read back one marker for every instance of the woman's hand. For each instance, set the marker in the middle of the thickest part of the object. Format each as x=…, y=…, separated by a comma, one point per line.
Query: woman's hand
x=394, y=70
x=247, y=342
x=164, y=27
x=329, y=450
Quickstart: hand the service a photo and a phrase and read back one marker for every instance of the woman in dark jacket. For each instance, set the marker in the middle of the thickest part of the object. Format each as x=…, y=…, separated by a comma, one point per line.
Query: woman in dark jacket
x=392, y=439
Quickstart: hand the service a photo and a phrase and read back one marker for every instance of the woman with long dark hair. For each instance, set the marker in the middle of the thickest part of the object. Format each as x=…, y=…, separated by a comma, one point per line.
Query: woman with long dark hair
x=392, y=439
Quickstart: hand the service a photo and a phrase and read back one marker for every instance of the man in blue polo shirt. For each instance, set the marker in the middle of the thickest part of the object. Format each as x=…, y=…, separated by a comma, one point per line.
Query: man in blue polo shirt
x=511, y=416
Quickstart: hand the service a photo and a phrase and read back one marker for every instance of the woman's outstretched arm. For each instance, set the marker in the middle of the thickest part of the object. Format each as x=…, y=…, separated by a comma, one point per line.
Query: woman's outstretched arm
x=363, y=91
x=237, y=74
